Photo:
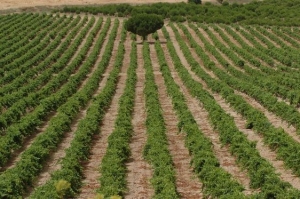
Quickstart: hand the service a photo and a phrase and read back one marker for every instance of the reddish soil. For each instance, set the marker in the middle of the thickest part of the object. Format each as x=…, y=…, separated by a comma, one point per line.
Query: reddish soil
x=139, y=171
x=187, y=184
x=99, y=144
x=227, y=161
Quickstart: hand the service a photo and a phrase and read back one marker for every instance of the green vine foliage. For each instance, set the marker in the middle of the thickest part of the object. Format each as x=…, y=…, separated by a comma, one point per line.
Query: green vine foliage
x=268, y=12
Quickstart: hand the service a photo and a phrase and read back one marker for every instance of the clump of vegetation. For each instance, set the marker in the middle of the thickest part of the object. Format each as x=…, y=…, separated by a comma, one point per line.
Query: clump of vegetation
x=62, y=186
x=101, y=196
x=195, y=1
x=144, y=24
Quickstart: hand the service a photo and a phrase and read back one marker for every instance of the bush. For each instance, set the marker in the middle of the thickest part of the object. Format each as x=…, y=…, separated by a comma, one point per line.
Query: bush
x=241, y=63
x=177, y=18
x=195, y=1
x=144, y=24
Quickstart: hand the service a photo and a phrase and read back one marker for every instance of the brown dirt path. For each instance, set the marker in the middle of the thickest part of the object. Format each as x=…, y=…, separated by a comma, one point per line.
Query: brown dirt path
x=139, y=171
x=265, y=152
x=16, y=155
x=227, y=161
x=99, y=144
x=187, y=184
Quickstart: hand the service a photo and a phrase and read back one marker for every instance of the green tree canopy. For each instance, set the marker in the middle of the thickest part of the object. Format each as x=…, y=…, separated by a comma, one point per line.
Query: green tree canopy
x=144, y=24
x=195, y=1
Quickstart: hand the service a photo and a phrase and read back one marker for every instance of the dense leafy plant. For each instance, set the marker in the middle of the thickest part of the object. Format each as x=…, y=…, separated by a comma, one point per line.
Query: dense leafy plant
x=195, y=1
x=144, y=24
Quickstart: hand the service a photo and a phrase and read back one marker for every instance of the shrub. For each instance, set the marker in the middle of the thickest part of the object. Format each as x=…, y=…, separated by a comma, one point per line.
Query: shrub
x=195, y=1
x=144, y=24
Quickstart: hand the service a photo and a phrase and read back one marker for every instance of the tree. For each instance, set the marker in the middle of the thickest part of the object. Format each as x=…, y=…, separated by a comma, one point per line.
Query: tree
x=144, y=24
x=195, y=1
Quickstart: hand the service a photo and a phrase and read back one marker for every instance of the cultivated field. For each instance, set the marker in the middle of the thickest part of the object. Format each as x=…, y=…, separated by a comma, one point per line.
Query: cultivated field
x=46, y=5
x=29, y=3
x=205, y=110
